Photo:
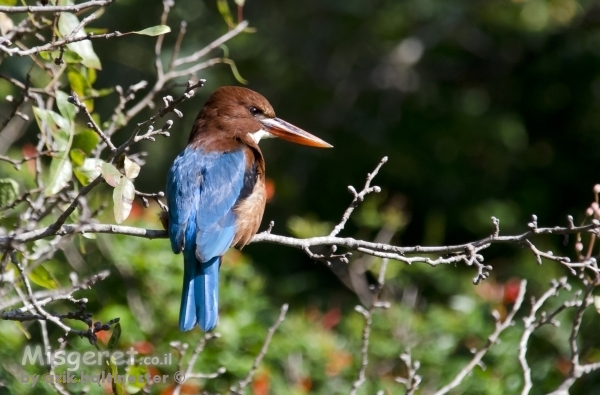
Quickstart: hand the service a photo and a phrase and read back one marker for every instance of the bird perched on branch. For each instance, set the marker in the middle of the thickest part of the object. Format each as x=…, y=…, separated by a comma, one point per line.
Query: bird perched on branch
x=216, y=192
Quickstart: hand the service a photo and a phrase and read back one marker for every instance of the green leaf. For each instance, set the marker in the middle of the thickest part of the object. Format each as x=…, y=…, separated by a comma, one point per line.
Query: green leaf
x=102, y=92
x=132, y=169
x=43, y=117
x=22, y=329
x=114, y=338
x=90, y=75
x=89, y=171
x=8, y=2
x=69, y=56
x=154, y=30
x=123, y=196
x=225, y=11
x=77, y=156
x=61, y=172
x=49, y=118
x=61, y=122
x=86, y=140
x=9, y=191
x=117, y=386
x=59, y=127
x=96, y=30
x=67, y=110
x=111, y=175
x=80, y=85
x=43, y=278
x=66, y=24
x=134, y=386
x=236, y=73
x=78, y=82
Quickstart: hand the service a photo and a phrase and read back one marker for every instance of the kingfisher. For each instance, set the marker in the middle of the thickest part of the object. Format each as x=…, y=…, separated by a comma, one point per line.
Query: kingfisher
x=216, y=192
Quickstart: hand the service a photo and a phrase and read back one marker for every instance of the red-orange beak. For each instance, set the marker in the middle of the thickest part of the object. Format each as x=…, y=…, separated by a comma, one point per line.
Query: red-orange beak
x=284, y=130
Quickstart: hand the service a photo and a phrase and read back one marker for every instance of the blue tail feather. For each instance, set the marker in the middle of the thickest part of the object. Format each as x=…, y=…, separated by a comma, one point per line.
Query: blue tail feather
x=206, y=291
x=200, y=294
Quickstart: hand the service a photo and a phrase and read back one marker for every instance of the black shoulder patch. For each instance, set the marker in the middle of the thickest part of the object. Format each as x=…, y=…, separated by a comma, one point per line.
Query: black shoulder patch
x=250, y=178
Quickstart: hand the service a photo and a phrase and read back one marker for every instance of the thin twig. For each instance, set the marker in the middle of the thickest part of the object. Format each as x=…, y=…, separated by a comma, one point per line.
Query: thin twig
x=366, y=334
x=359, y=197
x=239, y=388
x=492, y=339
x=58, y=43
x=74, y=99
x=64, y=8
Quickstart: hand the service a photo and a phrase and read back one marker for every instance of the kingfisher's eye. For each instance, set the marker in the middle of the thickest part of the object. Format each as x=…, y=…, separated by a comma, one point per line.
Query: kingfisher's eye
x=254, y=111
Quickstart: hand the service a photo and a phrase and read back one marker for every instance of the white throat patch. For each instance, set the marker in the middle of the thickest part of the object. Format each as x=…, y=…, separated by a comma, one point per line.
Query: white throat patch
x=261, y=134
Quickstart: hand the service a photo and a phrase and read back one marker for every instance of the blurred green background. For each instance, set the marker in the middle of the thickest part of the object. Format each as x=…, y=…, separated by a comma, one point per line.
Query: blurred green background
x=483, y=108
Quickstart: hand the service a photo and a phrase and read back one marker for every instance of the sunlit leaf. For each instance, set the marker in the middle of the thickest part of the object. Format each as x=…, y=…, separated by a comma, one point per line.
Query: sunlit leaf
x=60, y=129
x=23, y=330
x=96, y=30
x=61, y=172
x=43, y=278
x=67, y=110
x=78, y=82
x=60, y=121
x=89, y=171
x=80, y=85
x=68, y=56
x=132, y=169
x=77, y=156
x=6, y=23
x=102, y=92
x=55, y=124
x=117, y=386
x=133, y=385
x=111, y=175
x=8, y=2
x=71, y=57
x=225, y=11
x=90, y=74
x=66, y=24
x=123, y=196
x=9, y=191
x=114, y=337
x=86, y=140
x=154, y=30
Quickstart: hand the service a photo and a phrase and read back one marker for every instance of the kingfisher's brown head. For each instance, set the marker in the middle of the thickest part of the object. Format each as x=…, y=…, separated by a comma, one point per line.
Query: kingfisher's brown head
x=235, y=112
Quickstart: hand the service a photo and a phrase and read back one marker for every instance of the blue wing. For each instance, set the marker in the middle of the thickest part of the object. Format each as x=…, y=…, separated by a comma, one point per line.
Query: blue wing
x=202, y=189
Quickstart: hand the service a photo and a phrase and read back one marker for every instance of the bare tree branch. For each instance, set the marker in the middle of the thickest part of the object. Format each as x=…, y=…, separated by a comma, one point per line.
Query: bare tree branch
x=188, y=372
x=239, y=388
x=366, y=334
x=532, y=323
x=215, y=44
x=500, y=327
x=412, y=380
x=59, y=43
x=577, y=369
x=358, y=197
x=64, y=8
